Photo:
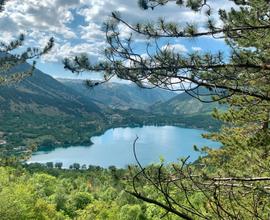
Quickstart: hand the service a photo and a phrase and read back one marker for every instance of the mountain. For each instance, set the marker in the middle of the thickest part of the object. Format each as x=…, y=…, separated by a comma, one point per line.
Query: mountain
x=119, y=95
x=42, y=94
x=133, y=106
x=188, y=111
x=41, y=110
x=184, y=104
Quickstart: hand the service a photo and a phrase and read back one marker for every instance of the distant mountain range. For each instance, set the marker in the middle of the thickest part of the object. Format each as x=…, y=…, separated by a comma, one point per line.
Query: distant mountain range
x=119, y=95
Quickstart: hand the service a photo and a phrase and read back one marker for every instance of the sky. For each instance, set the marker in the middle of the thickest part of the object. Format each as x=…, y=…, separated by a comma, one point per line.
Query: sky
x=76, y=26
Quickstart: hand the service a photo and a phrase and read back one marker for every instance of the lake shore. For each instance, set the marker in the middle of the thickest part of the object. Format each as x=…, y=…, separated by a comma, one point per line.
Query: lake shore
x=114, y=147
x=88, y=142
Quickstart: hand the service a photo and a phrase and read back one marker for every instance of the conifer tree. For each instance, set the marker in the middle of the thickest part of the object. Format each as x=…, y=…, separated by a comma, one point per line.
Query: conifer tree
x=221, y=74
x=231, y=182
x=9, y=61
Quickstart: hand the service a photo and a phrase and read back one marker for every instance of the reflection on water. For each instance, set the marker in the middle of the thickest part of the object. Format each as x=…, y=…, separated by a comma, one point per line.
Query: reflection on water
x=114, y=147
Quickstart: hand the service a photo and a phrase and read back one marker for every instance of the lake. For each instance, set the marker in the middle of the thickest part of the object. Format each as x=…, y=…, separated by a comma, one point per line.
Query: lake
x=115, y=147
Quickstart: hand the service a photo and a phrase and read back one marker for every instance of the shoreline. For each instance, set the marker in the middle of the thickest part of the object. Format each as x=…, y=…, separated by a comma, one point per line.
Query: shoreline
x=55, y=145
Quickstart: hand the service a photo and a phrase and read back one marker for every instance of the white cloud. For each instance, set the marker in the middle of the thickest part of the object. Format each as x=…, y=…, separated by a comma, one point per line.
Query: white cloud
x=61, y=51
x=92, y=33
x=196, y=48
x=41, y=19
x=176, y=48
x=51, y=16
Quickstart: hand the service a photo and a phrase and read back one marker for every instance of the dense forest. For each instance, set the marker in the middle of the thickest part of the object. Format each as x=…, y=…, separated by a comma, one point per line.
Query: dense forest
x=231, y=182
x=43, y=192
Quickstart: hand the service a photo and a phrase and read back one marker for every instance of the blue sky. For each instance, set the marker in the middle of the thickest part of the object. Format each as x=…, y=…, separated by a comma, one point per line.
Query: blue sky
x=76, y=26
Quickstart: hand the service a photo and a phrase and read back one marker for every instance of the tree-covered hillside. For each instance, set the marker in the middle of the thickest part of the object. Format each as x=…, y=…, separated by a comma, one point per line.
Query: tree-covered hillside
x=40, y=110
x=41, y=94
x=184, y=104
x=42, y=193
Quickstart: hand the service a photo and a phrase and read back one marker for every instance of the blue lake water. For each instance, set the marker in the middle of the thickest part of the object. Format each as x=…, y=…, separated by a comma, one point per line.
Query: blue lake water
x=114, y=147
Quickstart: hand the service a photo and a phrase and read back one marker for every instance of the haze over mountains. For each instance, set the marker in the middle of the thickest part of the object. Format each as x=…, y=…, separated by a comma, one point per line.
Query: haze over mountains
x=119, y=95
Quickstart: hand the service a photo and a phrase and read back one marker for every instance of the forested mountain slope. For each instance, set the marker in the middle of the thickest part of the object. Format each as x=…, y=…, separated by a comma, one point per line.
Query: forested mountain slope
x=42, y=94
x=41, y=110
x=184, y=104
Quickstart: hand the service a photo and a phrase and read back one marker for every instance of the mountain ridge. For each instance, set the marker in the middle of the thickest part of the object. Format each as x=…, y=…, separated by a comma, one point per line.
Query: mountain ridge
x=184, y=104
x=119, y=95
x=45, y=91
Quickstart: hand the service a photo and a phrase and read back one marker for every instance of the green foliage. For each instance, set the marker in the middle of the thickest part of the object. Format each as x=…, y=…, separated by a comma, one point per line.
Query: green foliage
x=50, y=193
x=131, y=212
x=143, y=4
x=225, y=184
x=245, y=135
x=19, y=198
x=2, y=4
x=10, y=63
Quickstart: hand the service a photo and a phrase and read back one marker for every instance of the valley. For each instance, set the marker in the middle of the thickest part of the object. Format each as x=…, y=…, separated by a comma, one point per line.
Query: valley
x=43, y=111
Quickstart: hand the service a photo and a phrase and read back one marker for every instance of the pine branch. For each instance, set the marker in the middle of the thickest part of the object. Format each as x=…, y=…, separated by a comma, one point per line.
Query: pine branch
x=183, y=34
x=155, y=202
